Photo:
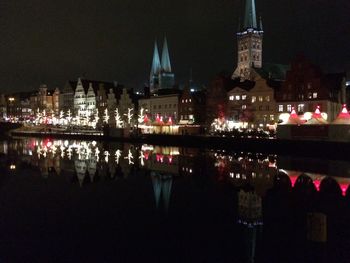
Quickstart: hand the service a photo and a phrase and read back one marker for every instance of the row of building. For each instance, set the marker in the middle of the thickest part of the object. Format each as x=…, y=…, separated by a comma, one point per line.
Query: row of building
x=254, y=95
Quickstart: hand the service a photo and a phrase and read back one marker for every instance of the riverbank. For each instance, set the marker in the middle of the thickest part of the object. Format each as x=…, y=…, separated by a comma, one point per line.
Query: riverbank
x=306, y=148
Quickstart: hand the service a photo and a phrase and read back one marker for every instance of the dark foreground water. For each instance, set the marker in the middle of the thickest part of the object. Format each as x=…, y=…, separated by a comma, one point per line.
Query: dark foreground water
x=71, y=201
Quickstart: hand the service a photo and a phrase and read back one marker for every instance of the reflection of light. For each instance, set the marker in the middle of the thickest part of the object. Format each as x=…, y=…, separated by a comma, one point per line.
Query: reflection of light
x=12, y=167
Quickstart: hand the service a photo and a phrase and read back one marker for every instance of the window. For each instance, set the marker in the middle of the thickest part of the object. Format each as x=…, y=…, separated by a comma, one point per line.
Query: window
x=189, y=100
x=238, y=97
x=267, y=98
x=183, y=101
x=231, y=97
x=289, y=108
x=309, y=95
x=253, y=99
x=244, y=107
x=244, y=97
x=300, y=107
x=272, y=117
x=260, y=108
x=186, y=100
x=314, y=95
x=267, y=107
x=159, y=106
x=280, y=108
x=260, y=98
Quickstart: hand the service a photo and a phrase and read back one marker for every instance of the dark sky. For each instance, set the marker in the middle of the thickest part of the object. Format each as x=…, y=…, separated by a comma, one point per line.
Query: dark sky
x=46, y=41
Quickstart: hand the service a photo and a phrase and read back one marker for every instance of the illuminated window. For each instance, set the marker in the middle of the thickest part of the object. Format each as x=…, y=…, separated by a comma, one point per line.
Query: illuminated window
x=238, y=97
x=244, y=107
x=244, y=97
x=272, y=117
x=231, y=97
x=260, y=98
x=314, y=95
x=189, y=100
x=280, y=108
x=289, y=108
x=267, y=98
x=300, y=107
x=253, y=99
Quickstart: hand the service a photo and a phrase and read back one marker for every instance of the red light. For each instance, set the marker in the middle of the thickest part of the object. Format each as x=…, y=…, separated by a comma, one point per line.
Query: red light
x=170, y=158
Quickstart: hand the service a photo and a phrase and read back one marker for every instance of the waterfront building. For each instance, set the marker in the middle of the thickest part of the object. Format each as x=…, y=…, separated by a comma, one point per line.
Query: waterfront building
x=161, y=76
x=191, y=107
x=66, y=99
x=307, y=87
x=239, y=103
x=3, y=108
x=90, y=95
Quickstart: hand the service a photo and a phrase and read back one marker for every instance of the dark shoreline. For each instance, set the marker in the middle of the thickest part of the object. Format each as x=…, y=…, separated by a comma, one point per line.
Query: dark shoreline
x=301, y=148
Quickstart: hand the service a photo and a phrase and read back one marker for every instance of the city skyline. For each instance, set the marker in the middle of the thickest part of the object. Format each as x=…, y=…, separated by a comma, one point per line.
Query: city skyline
x=52, y=43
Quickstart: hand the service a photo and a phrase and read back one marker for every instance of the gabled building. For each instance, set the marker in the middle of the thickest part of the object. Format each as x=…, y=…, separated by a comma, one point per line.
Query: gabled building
x=90, y=95
x=307, y=87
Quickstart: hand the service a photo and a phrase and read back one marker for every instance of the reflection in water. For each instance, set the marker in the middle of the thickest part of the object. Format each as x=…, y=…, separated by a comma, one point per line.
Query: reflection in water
x=270, y=193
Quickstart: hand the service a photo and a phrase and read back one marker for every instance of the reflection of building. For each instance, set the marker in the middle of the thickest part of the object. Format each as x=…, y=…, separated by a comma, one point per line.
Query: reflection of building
x=162, y=184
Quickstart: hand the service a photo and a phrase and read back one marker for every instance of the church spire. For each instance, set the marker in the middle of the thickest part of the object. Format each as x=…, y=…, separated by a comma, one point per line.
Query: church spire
x=156, y=61
x=250, y=15
x=165, y=57
x=260, y=24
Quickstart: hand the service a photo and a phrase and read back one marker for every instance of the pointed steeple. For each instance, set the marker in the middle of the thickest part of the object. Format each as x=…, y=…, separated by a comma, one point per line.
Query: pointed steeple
x=165, y=57
x=260, y=24
x=156, y=61
x=250, y=14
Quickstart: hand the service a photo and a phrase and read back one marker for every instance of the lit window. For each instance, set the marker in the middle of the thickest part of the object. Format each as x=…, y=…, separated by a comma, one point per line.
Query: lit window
x=267, y=98
x=244, y=97
x=186, y=100
x=272, y=117
x=280, y=108
x=301, y=108
x=253, y=99
x=314, y=95
x=232, y=97
x=244, y=107
x=260, y=98
x=189, y=100
x=289, y=108
x=238, y=97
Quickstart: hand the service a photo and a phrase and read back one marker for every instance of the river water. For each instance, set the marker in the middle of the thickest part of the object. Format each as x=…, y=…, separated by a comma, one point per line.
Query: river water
x=65, y=201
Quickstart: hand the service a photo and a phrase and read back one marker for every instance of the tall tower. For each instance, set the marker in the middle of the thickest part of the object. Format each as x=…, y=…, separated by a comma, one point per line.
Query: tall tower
x=161, y=76
x=249, y=43
x=155, y=69
x=166, y=77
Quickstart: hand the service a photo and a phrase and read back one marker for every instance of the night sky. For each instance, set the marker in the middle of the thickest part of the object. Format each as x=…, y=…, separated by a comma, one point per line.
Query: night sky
x=50, y=42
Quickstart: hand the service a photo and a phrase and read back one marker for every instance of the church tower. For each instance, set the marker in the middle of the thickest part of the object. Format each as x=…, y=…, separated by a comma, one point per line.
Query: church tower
x=161, y=76
x=249, y=43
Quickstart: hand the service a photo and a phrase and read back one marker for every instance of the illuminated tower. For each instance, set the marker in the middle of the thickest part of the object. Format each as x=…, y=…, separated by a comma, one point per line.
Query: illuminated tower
x=155, y=70
x=161, y=75
x=249, y=43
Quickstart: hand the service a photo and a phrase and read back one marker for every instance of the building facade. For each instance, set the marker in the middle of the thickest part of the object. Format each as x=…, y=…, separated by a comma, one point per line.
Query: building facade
x=307, y=87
